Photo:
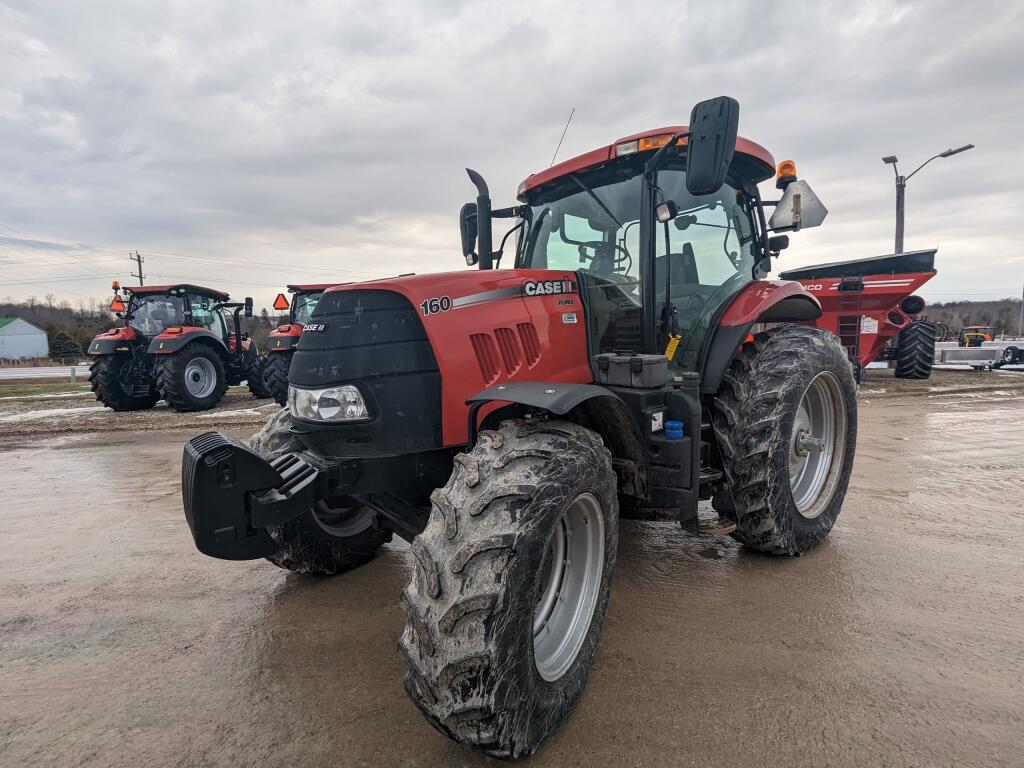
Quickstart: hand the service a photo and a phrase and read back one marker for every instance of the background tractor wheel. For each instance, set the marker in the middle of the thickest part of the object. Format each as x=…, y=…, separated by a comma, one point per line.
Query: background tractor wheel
x=786, y=423
x=192, y=379
x=915, y=351
x=335, y=536
x=254, y=377
x=106, y=378
x=511, y=585
x=275, y=375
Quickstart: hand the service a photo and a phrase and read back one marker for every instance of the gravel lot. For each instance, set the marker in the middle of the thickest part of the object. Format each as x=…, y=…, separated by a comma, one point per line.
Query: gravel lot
x=897, y=642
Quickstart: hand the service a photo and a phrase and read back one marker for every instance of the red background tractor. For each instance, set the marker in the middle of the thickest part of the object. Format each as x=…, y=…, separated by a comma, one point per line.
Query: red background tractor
x=182, y=343
x=282, y=340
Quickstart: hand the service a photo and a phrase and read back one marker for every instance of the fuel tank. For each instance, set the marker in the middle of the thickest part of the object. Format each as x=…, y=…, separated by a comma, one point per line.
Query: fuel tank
x=419, y=346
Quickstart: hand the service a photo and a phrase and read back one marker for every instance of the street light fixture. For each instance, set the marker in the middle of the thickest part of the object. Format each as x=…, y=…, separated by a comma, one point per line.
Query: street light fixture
x=901, y=186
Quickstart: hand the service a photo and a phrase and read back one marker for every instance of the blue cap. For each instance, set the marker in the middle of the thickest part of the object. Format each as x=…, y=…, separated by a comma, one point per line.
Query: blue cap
x=674, y=430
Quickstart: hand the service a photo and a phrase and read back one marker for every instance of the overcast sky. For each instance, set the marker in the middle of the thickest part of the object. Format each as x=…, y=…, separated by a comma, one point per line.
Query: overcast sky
x=246, y=145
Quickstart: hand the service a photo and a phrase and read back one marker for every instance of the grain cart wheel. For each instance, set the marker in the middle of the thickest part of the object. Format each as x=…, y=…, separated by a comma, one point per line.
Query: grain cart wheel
x=109, y=379
x=192, y=379
x=335, y=536
x=786, y=422
x=511, y=585
x=254, y=377
x=915, y=351
x=275, y=376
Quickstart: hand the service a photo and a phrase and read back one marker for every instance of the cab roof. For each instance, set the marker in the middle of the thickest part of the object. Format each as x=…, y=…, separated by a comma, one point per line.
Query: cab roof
x=757, y=162
x=311, y=287
x=149, y=290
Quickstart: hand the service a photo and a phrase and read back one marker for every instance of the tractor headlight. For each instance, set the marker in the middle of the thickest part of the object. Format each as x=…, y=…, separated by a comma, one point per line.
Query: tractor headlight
x=343, y=403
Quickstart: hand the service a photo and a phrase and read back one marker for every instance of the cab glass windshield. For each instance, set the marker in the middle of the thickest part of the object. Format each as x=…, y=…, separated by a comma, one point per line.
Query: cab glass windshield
x=303, y=306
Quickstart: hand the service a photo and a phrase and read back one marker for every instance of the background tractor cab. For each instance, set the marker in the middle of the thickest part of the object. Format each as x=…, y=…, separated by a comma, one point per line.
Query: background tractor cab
x=282, y=340
x=975, y=335
x=182, y=343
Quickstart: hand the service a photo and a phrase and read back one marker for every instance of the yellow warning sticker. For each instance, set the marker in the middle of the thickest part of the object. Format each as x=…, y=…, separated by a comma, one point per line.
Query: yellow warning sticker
x=673, y=344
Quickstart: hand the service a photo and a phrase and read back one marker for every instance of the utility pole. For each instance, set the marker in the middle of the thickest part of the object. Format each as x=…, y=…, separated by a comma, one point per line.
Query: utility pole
x=901, y=186
x=138, y=260
x=1020, y=325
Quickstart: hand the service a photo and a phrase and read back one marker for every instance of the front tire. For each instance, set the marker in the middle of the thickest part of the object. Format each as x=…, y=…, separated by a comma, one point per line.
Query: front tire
x=192, y=379
x=915, y=351
x=786, y=423
x=107, y=380
x=275, y=376
x=335, y=536
x=511, y=584
x=254, y=377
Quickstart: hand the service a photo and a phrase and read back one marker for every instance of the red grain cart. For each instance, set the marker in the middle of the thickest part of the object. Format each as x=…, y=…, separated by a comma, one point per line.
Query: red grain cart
x=870, y=305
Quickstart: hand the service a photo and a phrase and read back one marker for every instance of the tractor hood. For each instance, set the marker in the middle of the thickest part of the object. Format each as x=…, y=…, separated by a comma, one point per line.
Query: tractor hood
x=420, y=346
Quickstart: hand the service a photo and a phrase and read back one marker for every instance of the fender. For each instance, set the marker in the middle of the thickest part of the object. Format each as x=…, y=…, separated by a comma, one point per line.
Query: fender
x=115, y=340
x=173, y=339
x=596, y=407
x=763, y=301
x=283, y=338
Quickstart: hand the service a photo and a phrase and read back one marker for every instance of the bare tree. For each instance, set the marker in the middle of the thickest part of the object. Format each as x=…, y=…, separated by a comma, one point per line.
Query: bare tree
x=50, y=298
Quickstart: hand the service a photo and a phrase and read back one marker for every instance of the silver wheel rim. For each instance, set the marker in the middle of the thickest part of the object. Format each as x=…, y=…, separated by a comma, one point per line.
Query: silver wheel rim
x=569, y=587
x=817, y=445
x=200, y=377
x=344, y=521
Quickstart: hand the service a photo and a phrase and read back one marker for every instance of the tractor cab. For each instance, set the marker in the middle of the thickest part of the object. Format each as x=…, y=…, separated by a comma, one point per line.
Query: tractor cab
x=660, y=248
x=152, y=309
x=975, y=335
x=282, y=340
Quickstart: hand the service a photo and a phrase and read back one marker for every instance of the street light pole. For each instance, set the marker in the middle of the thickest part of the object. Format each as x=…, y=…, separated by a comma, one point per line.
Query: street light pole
x=901, y=186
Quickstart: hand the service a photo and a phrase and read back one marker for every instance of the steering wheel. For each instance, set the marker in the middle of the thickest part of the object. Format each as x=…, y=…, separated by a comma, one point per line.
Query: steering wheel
x=599, y=245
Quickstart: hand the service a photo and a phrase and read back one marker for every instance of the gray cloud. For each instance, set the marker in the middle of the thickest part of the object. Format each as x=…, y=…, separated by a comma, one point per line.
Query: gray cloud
x=331, y=138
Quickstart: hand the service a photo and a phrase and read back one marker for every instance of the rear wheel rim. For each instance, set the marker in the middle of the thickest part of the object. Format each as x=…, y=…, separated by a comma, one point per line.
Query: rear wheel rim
x=200, y=377
x=817, y=445
x=569, y=587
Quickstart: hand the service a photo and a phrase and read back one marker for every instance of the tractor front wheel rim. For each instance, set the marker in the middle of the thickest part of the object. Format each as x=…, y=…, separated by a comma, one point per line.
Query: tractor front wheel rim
x=569, y=587
x=200, y=377
x=817, y=445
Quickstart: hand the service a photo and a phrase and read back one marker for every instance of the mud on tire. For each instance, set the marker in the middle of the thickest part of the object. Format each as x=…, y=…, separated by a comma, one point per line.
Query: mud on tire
x=105, y=380
x=915, y=351
x=480, y=563
x=753, y=417
x=275, y=376
x=337, y=536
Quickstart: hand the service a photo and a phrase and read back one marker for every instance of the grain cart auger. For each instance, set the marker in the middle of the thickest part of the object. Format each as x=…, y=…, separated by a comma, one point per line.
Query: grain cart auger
x=493, y=419
x=281, y=341
x=182, y=343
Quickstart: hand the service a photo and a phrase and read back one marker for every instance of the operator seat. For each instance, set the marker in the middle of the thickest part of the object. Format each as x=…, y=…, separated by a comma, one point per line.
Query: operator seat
x=685, y=288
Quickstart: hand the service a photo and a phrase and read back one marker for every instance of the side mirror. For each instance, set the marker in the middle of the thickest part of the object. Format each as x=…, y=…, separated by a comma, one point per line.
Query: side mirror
x=778, y=243
x=798, y=209
x=468, y=230
x=711, y=144
x=248, y=306
x=666, y=211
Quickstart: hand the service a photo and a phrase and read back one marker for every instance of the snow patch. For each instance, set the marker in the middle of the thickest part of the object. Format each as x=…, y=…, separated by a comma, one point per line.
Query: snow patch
x=50, y=413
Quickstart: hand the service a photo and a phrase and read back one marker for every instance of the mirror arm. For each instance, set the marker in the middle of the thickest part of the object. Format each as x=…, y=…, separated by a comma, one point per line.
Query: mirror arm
x=652, y=165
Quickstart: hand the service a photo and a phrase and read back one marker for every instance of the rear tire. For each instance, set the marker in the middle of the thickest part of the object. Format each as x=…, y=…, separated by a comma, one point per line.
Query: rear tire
x=336, y=536
x=254, y=377
x=192, y=379
x=1010, y=355
x=786, y=423
x=520, y=539
x=915, y=351
x=105, y=379
x=275, y=375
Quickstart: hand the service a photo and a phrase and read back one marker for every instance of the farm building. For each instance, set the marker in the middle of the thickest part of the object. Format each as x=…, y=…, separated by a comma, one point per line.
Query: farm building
x=20, y=339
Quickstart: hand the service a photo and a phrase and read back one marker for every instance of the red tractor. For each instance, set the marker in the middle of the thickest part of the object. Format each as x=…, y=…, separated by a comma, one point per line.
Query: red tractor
x=282, y=340
x=182, y=343
x=632, y=360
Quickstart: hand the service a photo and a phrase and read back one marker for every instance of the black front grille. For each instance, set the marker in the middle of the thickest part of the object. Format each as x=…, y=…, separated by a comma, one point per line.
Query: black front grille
x=376, y=341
